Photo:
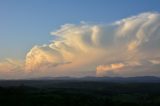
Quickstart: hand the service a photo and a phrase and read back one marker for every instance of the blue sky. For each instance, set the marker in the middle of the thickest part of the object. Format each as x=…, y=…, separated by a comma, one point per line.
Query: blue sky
x=25, y=23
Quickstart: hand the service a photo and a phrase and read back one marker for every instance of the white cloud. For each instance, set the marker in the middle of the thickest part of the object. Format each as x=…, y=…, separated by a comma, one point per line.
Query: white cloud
x=127, y=47
x=85, y=46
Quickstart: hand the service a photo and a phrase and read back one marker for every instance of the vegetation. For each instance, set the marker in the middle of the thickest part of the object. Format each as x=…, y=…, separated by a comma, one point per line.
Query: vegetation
x=80, y=93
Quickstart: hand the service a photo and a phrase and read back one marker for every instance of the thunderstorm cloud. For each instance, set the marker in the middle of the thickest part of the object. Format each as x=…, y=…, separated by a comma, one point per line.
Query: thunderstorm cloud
x=128, y=47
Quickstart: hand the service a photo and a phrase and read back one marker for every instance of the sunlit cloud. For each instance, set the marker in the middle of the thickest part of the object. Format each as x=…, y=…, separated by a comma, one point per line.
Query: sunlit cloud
x=11, y=69
x=128, y=47
x=85, y=46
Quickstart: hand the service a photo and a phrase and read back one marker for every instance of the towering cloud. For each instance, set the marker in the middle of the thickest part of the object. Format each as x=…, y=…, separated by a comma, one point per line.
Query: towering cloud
x=128, y=47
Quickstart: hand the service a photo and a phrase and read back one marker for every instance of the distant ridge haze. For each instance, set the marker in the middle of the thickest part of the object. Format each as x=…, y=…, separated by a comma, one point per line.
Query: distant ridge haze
x=107, y=79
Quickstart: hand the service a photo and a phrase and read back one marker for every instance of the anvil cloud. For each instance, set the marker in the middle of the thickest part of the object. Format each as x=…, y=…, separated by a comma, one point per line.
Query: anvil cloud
x=128, y=47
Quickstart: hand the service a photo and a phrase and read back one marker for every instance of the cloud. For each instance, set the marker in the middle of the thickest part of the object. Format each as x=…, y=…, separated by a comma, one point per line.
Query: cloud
x=85, y=47
x=108, y=69
x=128, y=47
x=155, y=61
x=11, y=69
x=40, y=56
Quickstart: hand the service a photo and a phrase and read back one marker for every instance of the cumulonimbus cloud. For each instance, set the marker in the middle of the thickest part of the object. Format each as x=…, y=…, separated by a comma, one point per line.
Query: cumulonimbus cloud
x=127, y=47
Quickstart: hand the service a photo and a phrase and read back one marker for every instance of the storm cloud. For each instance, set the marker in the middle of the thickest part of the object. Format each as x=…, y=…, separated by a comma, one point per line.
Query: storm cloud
x=128, y=47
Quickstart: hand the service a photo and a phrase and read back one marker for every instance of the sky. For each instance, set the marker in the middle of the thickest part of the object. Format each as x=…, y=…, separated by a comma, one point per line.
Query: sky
x=54, y=37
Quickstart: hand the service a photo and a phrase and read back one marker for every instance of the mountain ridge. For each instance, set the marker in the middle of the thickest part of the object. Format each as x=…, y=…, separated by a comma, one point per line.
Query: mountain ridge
x=107, y=79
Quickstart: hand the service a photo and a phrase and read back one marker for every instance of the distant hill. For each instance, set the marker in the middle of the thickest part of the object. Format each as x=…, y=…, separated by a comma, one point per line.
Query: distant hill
x=78, y=82
x=107, y=79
